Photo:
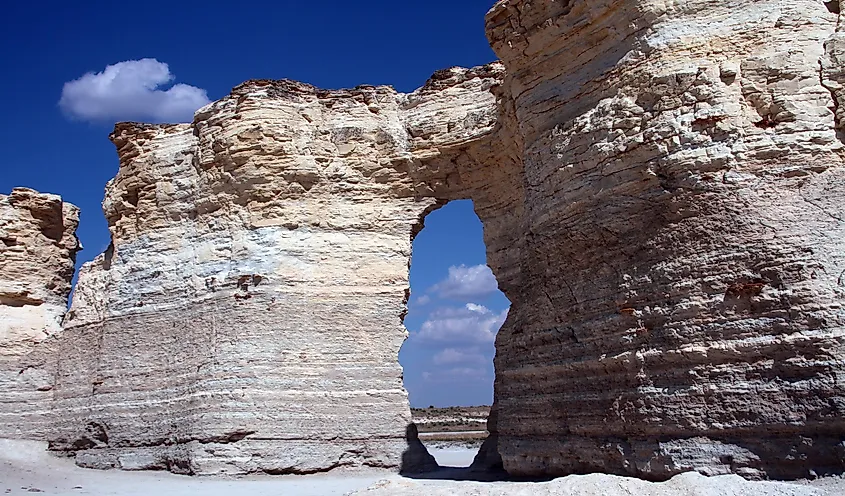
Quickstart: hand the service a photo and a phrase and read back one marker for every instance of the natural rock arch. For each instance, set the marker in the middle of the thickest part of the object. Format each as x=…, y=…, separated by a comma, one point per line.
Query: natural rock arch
x=281, y=261
x=661, y=188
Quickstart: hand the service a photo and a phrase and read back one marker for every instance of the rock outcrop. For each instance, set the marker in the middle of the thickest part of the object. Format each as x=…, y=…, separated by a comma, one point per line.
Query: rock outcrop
x=662, y=191
x=248, y=317
x=38, y=247
x=681, y=295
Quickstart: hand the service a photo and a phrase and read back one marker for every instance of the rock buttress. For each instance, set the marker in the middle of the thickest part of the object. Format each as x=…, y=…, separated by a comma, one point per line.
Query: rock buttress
x=681, y=296
x=38, y=247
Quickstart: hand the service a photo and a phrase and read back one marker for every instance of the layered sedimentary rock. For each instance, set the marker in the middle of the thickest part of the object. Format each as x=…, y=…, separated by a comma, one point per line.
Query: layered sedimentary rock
x=38, y=246
x=248, y=317
x=661, y=187
x=681, y=296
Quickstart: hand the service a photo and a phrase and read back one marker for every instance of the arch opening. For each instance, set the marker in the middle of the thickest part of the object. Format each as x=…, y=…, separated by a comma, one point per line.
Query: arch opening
x=455, y=310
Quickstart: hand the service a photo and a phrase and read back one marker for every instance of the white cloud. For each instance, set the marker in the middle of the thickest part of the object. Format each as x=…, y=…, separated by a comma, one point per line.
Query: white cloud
x=455, y=356
x=422, y=300
x=471, y=324
x=131, y=90
x=466, y=283
x=472, y=307
x=457, y=374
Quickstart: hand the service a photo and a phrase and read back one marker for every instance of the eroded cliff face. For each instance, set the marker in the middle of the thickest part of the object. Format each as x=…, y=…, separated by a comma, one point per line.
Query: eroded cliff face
x=249, y=315
x=681, y=297
x=38, y=246
x=661, y=188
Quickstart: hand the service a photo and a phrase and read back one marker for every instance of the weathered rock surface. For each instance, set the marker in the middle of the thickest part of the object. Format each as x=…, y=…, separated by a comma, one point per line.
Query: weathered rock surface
x=663, y=199
x=38, y=246
x=681, y=296
x=248, y=317
x=689, y=484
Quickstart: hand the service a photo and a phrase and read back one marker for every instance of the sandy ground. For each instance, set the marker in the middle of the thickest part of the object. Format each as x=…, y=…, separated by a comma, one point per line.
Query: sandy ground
x=25, y=468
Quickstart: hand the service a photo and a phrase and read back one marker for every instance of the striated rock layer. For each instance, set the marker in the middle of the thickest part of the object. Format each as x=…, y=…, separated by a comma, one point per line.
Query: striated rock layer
x=38, y=247
x=681, y=295
x=661, y=187
x=248, y=317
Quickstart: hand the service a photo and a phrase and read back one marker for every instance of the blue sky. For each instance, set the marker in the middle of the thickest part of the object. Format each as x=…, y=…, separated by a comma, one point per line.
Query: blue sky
x=209, y=47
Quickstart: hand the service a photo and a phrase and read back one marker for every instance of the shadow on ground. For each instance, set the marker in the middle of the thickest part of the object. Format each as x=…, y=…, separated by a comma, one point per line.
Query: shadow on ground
x=417, y=463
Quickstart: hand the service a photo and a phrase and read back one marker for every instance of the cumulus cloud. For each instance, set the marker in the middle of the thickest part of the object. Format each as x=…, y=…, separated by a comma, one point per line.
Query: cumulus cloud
x=471, y=324
x=465, y=283
x=422, y=300
x=455, y=356
x=457, y=374
x=131, y=90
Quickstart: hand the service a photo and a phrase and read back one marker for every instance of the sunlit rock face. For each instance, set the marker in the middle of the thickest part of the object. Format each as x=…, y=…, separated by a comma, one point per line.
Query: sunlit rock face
x=681, y=296
x=37, y=250
x=248, y=317
x=661, y=188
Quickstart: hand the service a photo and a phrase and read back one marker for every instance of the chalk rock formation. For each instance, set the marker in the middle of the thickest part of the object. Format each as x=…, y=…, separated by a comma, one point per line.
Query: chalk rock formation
x=663, y=199
x=682, y=274
x=38, y=246
x=248, y=316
